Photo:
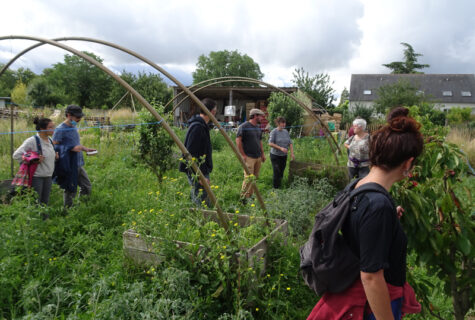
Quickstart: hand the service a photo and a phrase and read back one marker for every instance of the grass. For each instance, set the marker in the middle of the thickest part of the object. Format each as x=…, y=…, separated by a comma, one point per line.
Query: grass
x=72, y=265
x=465, y=139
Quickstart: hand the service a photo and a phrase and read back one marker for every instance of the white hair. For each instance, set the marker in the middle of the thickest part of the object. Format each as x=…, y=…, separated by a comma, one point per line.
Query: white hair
x=360, y=123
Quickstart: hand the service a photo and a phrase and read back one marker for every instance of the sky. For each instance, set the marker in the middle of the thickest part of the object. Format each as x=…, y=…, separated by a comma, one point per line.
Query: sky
x=337, y=37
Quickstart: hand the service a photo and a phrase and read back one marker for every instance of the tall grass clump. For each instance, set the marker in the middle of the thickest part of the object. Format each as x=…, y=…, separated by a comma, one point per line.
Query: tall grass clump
x=465, y=139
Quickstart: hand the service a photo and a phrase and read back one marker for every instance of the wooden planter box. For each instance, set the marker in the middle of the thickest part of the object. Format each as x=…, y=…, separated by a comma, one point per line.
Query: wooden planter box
x=139, y=247
x=337, y=175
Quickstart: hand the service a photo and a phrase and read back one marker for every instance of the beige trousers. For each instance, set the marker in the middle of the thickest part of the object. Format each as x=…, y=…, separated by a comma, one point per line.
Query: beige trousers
x=254, y=166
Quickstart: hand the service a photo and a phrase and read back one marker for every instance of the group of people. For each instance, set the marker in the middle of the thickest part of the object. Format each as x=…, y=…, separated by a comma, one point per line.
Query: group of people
x=372, y=230
x=249, y=143
x=60, y=155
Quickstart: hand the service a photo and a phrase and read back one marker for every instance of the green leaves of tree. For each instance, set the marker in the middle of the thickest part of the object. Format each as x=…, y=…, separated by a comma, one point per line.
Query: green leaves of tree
x=226, y=63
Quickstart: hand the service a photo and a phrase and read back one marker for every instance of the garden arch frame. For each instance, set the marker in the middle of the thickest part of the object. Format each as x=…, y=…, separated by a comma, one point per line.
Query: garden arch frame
x=222, y=217
x=197, y=87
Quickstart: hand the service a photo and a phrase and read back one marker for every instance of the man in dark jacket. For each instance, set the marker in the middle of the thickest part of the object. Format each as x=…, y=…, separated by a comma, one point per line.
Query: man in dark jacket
x=198, y=143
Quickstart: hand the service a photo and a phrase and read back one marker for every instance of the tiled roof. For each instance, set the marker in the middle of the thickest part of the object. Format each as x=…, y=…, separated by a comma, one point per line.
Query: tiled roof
x=433, y=86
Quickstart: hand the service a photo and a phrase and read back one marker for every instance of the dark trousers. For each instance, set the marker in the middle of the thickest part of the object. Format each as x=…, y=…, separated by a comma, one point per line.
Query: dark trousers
x=84, y=185
x=198, y=193
x=359, y=172
x=278, y=167
x=42, y=186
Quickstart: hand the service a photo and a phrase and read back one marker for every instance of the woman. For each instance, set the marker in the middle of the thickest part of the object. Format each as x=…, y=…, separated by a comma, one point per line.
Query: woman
x=280, y=143
x=358, y=147
x=41, y=182
x=374, y=233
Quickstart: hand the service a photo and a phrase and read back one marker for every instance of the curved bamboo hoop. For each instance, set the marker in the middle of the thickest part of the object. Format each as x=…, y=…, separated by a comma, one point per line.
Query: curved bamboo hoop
x=222, y=218
x=168, y=75
x=331, y=140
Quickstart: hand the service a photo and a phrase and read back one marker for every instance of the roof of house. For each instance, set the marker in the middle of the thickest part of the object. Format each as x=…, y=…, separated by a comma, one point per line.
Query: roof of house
x=444, y=88
x=242, y=93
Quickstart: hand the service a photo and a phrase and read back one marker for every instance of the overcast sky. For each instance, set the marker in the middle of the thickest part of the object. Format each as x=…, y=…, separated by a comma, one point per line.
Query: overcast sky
x=338, y=37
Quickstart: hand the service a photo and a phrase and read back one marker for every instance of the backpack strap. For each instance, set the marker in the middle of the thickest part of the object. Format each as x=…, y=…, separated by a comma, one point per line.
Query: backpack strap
x=38, y=145
x=371, y=187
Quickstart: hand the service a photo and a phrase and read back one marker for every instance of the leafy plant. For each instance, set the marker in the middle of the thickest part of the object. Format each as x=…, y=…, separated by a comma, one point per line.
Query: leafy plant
x=283, y=106
x=155, y=144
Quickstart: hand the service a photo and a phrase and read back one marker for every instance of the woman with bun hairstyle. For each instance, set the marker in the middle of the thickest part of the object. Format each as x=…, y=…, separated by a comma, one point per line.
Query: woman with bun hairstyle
x=374, y=233
x=43, y=145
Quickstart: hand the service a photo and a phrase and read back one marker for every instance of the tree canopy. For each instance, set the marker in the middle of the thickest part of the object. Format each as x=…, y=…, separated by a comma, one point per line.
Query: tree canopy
x=226, y=63
x=409, y=65
x=318, y=87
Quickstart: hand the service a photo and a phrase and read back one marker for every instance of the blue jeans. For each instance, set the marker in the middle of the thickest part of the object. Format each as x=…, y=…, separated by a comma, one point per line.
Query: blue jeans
x=198, y=193
x=396, y=306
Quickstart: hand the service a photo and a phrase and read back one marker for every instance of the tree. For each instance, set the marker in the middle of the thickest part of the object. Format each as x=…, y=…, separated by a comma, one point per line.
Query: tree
x=80, y=82
x=402, y=93
x=25, y=75
x=282, y=105
x=226, y=63
x=40, y=93
x=459, y=115
x=410, y=64
x=344, y=97
x=318, y=87
x=155, y=144
x=152, y=88
x=19, y=95
x=7, y=82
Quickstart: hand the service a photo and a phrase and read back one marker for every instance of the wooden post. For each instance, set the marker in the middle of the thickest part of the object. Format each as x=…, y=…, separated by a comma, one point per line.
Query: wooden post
x=11, y=138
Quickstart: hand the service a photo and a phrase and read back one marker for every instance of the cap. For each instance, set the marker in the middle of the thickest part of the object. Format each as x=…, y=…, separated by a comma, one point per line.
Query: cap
x=74, y=111
x=256, y=111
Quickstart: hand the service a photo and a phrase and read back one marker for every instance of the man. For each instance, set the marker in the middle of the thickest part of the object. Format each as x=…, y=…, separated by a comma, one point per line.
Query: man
x=249, y=143
x=67, y=142
x=198, y=143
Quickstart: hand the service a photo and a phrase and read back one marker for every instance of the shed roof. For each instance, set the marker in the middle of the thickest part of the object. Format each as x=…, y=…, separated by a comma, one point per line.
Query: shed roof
x=240, y=93
x=433, y=86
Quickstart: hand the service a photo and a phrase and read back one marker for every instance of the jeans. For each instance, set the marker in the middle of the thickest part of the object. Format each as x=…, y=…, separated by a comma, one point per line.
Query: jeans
x=278, y=167
x=42, y=186
x=198, y=193
x=84, y=185
x=396, y=306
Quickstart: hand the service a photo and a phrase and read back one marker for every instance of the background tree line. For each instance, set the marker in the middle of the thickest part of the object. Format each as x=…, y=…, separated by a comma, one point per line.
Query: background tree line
x=75, y=81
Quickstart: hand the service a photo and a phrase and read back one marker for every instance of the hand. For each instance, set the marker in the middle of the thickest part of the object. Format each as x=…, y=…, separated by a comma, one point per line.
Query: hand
x=78, y=148
x=293, y=157
x=42, y=157
x=263, y=158
x=284, y=150
x=244, y=157
x=207, y=180
x=56, y=156
x=89, y=149
x=399, y=211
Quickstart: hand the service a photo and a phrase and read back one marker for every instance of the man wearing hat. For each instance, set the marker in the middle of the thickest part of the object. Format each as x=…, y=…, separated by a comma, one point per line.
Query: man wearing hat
x=249, y=143
x=67, y=141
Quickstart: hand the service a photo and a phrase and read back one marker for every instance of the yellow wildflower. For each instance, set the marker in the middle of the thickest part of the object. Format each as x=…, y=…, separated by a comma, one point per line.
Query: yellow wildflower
x=257, y=309
x=253, y=205
x=213, y=235
x=237, y=211
x=137, y=235
x=236, y=224
x=288, y=288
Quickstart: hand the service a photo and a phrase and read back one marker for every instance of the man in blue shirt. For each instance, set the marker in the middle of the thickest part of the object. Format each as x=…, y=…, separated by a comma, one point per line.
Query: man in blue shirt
x=66, y=135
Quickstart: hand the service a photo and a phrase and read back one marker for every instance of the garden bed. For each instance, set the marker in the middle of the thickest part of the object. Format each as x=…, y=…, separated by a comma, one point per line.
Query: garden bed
x=142, y=249
x=336, y=175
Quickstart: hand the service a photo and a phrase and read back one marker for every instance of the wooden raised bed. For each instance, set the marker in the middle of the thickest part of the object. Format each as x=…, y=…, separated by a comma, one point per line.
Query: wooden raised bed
x=139, y=248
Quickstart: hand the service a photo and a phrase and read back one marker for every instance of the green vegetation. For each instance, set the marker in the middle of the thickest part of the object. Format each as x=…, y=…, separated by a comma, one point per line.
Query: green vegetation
x=72, y=265
x=409, y=65
x=224, y=64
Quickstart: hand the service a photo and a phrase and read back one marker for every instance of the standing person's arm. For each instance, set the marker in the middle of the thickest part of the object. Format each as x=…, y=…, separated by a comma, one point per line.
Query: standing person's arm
x=240, y=148
x=292, y=151
x=25, y=147
x=377, y=293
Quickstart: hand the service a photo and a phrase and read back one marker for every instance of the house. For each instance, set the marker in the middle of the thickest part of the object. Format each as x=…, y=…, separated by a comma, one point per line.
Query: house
x=233, y=103
x=445, y=90
x=3, y=102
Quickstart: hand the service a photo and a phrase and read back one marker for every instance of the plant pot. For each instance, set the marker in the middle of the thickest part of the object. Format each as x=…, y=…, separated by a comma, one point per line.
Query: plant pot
x=139, y=248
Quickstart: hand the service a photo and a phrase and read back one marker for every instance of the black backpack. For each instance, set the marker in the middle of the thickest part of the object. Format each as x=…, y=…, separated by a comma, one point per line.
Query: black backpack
x=327, y=263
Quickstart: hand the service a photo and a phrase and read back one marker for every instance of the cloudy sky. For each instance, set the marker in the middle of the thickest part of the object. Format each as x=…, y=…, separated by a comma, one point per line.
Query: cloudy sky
x=338, y=37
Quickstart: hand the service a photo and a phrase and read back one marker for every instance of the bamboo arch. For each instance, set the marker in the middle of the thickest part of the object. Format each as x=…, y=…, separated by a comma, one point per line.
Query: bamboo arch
x=331, y=141
x=161, y=70
x=222, y=217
